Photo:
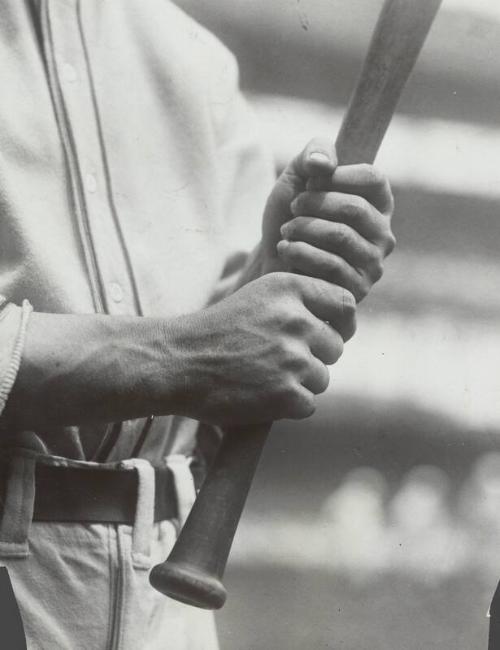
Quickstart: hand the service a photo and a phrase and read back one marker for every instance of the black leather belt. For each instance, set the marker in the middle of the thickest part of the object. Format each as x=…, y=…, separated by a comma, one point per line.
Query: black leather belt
x=91, y=495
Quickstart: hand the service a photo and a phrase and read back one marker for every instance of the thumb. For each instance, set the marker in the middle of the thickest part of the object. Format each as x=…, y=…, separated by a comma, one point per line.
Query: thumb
x=318, y=158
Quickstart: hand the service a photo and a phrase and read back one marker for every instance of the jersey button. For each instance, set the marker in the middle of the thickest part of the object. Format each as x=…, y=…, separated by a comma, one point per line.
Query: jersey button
x=90, y=183
x=116, y=292
x=69, y=73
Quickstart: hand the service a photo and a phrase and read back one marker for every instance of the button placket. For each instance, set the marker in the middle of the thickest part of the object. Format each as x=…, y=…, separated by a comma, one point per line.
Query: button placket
x=116, y=292
x=90, y=182
x=68, y=73
x=102, y=227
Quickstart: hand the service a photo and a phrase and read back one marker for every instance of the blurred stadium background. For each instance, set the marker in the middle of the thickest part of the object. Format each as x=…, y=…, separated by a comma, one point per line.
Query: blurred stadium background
x=376, y=524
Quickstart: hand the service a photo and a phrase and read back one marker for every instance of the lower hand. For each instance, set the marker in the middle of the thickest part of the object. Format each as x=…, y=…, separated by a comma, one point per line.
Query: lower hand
x=260, y=354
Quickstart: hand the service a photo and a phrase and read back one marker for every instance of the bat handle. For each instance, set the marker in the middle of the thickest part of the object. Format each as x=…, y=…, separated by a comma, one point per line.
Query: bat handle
x=193, y=571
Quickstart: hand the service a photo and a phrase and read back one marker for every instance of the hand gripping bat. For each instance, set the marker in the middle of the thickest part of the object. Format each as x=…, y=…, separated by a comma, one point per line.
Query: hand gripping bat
x=193, y=571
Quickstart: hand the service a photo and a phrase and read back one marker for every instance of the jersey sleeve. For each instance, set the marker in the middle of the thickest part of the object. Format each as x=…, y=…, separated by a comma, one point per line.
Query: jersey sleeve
x=13, y=324
x=247, y=171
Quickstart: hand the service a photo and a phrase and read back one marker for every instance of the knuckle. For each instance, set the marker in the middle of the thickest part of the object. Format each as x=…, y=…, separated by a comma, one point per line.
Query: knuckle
x=374, y=176
x=283, y=282
x=269, y=280
x=336, y=351
x=384, y=238
x=296, y=322
x=390, y=199
x=334, y=345
x=291, y=391
x=304, y=284
x=390, y=242
x=284, y=291
x=297, y=361
x=376, y=268
x=280, y=278
x=295, y=250
x=303, y=363
x=348, y=304
x=351, y=328
x=298, y=225
x=324, y=380
x=334, y=269
x=355, y=208
x=348, y=314
x=298, y=205
x=362, y=289
x=282, y=395
x=340, y=234
x=286, y=393
x=283, y=350
x=366, y=169
x=324, y=290
x=304, y=405
x=378, y=271
x=292, y=227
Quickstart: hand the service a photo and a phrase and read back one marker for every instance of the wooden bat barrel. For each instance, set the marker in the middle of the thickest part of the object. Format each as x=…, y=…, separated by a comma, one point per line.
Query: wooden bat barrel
x=193, y=571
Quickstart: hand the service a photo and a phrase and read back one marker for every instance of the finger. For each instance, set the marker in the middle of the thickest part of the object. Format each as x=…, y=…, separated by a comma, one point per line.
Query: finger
x=316, y=263
x=336, y=238
x=330, y=303
x=364, y=180
x=298, y=404
x=326, y=344
x=323, y=340
x=318, y=158
x=318, y=377
x=355, y=211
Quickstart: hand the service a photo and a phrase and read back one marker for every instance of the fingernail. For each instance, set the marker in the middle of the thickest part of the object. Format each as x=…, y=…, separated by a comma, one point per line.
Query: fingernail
x=284, y=231
x=319, y=157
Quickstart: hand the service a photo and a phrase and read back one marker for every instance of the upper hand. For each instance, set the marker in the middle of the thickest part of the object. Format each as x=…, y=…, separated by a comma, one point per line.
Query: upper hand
x=330, y=222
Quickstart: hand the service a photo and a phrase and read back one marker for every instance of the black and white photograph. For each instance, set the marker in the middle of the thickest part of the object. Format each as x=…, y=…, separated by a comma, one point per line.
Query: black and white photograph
x=249, y=325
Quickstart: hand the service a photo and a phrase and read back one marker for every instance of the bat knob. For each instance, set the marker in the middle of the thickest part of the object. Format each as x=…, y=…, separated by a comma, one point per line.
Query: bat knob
x=188, y=585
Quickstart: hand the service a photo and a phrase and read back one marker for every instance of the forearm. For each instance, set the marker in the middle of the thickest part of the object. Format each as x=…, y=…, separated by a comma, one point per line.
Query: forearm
x=78, y=369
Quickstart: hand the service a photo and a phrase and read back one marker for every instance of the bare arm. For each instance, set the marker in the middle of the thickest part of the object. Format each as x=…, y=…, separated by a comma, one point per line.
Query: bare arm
x=78, y=369
x=258, y=355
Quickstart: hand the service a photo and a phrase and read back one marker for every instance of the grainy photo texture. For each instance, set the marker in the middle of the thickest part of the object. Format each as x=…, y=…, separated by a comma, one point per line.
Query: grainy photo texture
x=208, y=333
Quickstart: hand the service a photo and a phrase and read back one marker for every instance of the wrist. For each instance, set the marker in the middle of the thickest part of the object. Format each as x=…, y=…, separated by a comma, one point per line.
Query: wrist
x=162, y=377
x=259, y=263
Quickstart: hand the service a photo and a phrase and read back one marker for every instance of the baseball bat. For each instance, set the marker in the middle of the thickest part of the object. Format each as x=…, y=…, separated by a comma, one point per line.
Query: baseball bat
x=193, y=571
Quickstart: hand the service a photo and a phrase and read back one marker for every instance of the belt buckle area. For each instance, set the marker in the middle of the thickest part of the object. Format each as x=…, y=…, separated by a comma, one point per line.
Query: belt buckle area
x=85, y=494
x=77, y=493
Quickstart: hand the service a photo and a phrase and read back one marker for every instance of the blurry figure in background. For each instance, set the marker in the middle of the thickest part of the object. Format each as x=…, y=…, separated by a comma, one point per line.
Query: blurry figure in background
x=414, y=532
x=132, y=186
x=357, y=531
x=428, y=539
x=480, y=500
x=479, y=505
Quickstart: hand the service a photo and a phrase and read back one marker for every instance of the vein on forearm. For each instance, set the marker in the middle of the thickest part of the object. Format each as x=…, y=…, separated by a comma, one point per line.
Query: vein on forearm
x=78, y=369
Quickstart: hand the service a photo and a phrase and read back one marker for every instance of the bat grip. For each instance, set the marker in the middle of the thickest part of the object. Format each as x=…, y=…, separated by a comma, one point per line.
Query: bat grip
x=193, y=571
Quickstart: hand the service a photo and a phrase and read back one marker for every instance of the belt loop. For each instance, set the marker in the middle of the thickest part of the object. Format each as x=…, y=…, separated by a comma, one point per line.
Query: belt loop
x=184, y=484
x=144, y=513
x=18, y=507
